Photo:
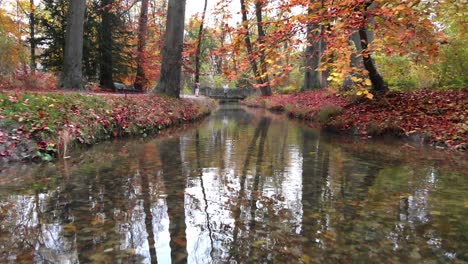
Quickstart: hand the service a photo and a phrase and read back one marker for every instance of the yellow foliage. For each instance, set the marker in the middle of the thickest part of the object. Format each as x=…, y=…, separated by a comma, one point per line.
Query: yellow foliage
x=12, y=52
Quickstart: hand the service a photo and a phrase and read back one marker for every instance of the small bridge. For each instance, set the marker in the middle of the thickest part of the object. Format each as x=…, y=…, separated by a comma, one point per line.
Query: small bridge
x=231, y=94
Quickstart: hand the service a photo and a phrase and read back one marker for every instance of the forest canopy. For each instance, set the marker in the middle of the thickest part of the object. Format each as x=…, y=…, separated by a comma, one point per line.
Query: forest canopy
x=278, y=46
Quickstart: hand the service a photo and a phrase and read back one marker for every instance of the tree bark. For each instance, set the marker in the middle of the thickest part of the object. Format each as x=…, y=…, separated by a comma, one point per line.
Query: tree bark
x=32, y=35
x=265, y=88
x=312, y=61
x=72, y=76
x=199, y=42
x=378, y=83
x=106, y=63
x=315, y=47
x=355, y=61
x=248, y=44
x=140, y=80
x=170, y=80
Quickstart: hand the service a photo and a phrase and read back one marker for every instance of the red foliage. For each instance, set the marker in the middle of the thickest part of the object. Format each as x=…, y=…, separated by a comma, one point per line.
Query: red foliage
x=440, y=116
x=26, y=81
x=303, y=105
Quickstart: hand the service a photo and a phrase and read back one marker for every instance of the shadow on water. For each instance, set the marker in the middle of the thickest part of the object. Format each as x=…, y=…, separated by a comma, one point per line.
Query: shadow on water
x=245, y=186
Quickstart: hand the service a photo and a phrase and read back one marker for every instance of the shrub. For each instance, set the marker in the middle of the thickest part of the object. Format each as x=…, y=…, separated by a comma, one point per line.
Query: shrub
x=290, y=89
x=327, y=112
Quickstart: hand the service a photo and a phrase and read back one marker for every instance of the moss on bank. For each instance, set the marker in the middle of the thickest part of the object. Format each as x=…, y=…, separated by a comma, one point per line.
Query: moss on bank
x=44, y=126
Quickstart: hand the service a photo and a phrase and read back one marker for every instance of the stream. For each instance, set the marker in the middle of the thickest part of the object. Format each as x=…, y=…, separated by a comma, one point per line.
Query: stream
x=242, y=186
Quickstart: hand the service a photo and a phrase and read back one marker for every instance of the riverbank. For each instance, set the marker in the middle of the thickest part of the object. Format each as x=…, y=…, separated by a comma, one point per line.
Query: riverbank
x=42, y=126
x=432, y=117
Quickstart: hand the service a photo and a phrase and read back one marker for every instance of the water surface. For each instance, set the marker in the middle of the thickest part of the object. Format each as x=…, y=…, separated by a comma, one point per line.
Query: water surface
x=243, y=186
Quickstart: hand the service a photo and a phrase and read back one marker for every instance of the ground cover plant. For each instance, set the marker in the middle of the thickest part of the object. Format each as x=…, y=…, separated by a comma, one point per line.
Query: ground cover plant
x=436, y=117
x=41, y=126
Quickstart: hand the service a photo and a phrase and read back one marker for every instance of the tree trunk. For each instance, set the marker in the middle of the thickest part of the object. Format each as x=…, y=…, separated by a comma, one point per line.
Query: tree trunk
x=106, y=67
x=170, y=80
x=248, y=44
x=199, y=42
x=355, y=61
x=140, y=80
x=32, y=35
x=265, y=88
x=378, y=83
x=72, y=76
x=313, y=78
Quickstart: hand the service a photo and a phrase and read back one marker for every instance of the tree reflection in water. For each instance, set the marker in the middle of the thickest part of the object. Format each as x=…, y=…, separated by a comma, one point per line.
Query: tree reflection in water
x=243, y=187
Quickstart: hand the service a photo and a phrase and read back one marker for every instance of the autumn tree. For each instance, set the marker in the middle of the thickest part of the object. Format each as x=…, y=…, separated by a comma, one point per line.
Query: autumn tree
x=265, y=86
x=72, y=76
x=199, y=44
x=141, y=80
x=170, y=80
x=29, y=10
x=12, y=50
x=260, y=77
x=378, y=84
x=105, y=45
x=314, y=49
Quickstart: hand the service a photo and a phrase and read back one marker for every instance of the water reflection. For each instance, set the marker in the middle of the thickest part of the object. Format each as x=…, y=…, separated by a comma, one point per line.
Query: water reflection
x=243, y=187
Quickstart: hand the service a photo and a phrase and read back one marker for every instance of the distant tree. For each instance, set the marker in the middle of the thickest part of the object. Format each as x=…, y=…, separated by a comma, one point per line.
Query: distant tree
x=141, y=80
x=265, y=86
x=72, y=76
x=313, y=52
x=170, y=79
x=12, y=50
x=250, y=52
x=199, y=44
x=105, y=45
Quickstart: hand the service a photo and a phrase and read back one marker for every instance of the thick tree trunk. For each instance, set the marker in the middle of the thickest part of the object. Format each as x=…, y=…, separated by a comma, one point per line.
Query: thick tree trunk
x=170, y=80
x=265, y=88
x=312, y=60
x=199, y=42
x=72, y=76
x=106, y=67
x=32, y=35
x=312, y=56
x=313, y=79
x=140, y=80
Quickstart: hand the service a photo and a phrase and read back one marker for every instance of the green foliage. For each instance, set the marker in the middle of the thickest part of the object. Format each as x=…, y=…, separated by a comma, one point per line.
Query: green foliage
x=398, y=72
x=290, y=89
x=452, y=70
x=296, y=78
x=244, y=81
x=325, y=113
x=52, y=24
